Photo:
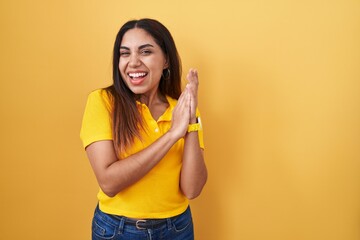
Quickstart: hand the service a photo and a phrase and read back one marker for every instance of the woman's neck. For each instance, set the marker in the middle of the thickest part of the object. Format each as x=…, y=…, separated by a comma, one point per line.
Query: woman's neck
x=152, y=99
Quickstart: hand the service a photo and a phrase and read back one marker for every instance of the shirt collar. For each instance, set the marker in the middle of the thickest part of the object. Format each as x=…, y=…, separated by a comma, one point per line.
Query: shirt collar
x=167, y=115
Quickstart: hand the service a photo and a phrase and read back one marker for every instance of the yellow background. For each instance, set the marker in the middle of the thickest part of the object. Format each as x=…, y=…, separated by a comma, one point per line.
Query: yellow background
x=279, y=95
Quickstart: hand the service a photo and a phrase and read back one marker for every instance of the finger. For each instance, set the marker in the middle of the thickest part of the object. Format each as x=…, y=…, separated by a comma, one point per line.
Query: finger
x=186, y=96
x=188, y=99
x=191, y=89
x=192, y=76
x=182, y=100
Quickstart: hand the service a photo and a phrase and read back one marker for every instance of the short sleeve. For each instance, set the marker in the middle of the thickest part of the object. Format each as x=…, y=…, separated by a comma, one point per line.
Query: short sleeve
x=96, y=123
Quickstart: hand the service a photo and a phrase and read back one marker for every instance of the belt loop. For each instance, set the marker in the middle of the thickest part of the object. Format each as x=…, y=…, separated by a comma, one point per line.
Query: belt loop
x=169, y=223
x=121, y=225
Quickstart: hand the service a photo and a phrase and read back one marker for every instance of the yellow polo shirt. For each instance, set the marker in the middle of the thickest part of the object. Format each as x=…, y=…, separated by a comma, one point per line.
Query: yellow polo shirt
x=157, y=194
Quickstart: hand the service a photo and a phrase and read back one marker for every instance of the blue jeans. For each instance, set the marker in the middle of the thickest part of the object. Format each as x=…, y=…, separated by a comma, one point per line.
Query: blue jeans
x=107, y=226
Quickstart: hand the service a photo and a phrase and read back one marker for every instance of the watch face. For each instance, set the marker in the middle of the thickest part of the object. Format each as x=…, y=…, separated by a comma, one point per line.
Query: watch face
x=198, y=120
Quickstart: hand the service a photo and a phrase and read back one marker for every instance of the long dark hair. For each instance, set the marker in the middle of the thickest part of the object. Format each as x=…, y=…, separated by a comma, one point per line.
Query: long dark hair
x=127, y=122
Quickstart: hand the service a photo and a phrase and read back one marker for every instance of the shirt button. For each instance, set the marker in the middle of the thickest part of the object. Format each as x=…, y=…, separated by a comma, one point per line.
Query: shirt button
x=156, y=130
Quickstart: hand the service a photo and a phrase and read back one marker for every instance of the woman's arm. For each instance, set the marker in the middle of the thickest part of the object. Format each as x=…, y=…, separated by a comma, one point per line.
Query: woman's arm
x=193, y=172
x=114, y=175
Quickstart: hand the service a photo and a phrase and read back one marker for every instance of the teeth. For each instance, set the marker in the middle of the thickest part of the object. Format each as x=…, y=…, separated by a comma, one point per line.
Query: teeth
x=136, y=75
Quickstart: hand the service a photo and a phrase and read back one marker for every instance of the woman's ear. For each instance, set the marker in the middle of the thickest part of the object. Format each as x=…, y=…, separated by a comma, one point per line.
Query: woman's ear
x=166, y=65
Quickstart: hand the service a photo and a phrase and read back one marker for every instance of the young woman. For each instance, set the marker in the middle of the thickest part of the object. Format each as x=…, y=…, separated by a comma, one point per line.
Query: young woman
x=143, y=138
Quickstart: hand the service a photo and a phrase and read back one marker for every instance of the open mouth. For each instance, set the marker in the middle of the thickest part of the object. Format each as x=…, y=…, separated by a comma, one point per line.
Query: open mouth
x=137, y=75
x=137, y=78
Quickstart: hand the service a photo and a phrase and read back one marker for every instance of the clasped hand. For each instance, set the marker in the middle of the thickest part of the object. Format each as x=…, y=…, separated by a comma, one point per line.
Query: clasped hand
x=184, y=112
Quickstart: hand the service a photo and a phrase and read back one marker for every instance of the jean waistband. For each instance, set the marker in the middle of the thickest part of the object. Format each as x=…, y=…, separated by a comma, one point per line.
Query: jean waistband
x=140, y=224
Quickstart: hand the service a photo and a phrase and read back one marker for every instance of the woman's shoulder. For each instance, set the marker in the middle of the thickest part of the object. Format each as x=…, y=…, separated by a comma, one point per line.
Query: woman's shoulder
x=100, y=95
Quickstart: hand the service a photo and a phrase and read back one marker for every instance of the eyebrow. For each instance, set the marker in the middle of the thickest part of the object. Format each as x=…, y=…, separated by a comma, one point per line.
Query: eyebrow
x=141, y=47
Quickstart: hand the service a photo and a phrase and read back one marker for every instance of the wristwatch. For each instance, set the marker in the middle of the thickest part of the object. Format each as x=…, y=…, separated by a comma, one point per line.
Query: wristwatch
x=195, y=126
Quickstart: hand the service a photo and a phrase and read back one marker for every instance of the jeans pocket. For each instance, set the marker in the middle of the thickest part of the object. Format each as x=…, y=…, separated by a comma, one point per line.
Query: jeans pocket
x=182, y=223
x=101, y=229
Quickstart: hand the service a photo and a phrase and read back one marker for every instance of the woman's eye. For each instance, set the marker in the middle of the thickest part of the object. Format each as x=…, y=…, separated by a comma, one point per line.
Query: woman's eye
x=124, y=54
x=146, y=52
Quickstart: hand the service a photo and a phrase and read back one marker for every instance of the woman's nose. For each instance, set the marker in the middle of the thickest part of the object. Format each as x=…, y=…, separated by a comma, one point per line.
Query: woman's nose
x=134, y=60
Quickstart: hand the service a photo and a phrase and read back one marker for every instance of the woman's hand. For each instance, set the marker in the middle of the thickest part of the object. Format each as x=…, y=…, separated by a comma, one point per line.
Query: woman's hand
x=185, y=110
x=181, y=115
x=192, y=87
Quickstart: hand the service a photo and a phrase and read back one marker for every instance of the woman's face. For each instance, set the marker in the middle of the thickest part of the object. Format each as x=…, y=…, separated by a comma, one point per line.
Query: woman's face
x=141, y=62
